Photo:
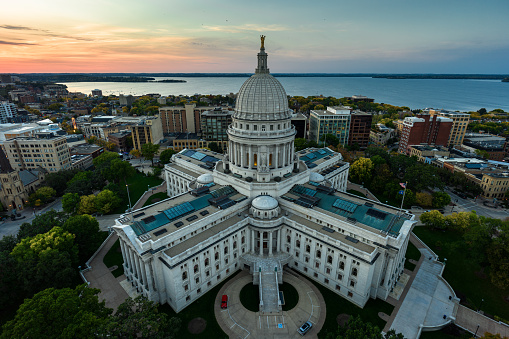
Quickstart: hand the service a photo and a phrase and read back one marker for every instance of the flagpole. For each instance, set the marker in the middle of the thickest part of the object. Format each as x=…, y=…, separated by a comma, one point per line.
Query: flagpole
x=403, y=199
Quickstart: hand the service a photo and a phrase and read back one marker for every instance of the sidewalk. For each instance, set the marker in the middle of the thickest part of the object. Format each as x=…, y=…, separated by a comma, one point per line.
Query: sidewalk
x=157, y=189
x=360, y=188
x=470, y=319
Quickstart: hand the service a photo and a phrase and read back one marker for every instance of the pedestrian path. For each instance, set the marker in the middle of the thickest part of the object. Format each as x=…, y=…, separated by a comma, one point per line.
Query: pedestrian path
x=430, y=302
x=474, y=322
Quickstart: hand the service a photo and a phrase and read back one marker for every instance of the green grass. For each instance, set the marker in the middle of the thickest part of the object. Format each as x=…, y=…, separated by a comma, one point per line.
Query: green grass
x=449, y=332
x=138, y=185
x=203, y=308
x=291, y=296
x=411, y=253
x=250, y=297
x=114, y=257
x=160, y=196
x=360, y=194
x=460, y=272
x=337, y=305
x=390, y=201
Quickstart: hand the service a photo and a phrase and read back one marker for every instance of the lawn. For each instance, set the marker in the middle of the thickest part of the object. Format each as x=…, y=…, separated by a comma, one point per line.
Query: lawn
x=411, y=253
x=155, y=198
x=204, y=308
x=114, y=257
x=464, y=274
x=360, y=194
x=337, y=305
x=291, y=296
x=138, y=185
x=250, y=297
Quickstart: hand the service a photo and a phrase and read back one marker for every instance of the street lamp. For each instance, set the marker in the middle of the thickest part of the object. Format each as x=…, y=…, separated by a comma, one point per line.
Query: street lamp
x=477, y=329
x=479, y=309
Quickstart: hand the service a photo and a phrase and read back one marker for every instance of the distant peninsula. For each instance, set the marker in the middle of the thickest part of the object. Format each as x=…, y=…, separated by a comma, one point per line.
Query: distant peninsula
x=505, y=80
x=69, y=77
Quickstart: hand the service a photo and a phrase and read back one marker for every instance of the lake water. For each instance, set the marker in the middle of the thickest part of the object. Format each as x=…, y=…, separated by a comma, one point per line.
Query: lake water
x=461, y=94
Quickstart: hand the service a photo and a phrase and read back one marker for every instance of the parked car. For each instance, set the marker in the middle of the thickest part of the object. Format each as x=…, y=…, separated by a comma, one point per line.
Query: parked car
x=305, y=328
x=224, y=301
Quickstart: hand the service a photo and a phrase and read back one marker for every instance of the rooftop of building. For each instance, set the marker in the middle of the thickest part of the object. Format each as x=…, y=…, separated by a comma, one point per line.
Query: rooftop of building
x=185, y=136
x=349, y=208
x=430, y=148
x=87, y=148
x=120, y=134
x=333, y=111
x=313, y=157
x=218, y=111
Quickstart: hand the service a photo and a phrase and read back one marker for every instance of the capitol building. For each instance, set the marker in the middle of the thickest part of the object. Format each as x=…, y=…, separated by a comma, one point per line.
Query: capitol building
x=263, y=208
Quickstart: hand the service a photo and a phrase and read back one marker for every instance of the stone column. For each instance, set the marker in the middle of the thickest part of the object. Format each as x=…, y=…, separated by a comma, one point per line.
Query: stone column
x=131, y=261
x=276, y=156
x=261, y=242
x=253, y=241
x=278, y=239
x=284, y=156
x=138, y=268
x=242, y=151
x=123, y=253
x=143, y=273
x=250, y=157
x=150, y=282
x=270, y=243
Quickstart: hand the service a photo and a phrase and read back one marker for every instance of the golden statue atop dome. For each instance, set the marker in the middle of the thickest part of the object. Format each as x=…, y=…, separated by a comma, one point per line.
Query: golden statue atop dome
x=262, y=38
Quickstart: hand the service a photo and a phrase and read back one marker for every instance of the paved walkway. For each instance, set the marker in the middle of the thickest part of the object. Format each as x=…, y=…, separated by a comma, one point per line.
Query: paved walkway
x=470, y=319
x=425, y=300
x=148, y=194
x=237, y=322
x=100, y=277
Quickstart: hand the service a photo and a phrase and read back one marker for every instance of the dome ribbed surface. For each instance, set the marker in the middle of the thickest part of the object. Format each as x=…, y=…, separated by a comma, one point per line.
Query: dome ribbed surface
x=262, y=97
x=264, y=202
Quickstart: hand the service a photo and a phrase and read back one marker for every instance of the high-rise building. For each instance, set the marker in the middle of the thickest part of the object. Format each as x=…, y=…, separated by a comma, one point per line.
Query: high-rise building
x=52, y=154
x=178, y=119
x=146, y=131
x=424, y=129
x=125, y=100
x=334, y=120
x=8, y=111
x=259, y=208
x=459, y=125
x=300, y=122
x=360, y=128
x=97, y=93
x=214, y=126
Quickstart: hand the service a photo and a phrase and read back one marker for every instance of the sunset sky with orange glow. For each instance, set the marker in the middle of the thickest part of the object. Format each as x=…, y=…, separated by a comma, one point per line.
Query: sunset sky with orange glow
x=394, y=36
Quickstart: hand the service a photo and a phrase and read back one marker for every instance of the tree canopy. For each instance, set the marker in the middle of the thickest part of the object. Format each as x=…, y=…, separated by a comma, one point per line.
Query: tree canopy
x=166, y=155
x=149, y=150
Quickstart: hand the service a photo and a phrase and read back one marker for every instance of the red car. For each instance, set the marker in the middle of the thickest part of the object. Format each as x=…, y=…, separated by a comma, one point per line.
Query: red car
x=224, y=301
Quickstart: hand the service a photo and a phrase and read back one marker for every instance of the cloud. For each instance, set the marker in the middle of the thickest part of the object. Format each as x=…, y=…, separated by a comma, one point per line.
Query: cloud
x=43, y=32
x=22, y=28
x=246, y=27
x=2, y=42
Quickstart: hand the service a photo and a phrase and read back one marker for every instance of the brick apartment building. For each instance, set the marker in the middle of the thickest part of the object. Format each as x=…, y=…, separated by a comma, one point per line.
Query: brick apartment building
x=424, y=129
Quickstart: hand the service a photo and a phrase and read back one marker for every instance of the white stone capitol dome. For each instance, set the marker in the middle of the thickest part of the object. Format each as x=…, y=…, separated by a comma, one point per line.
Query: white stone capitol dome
x=264, y=202
x=205, y=178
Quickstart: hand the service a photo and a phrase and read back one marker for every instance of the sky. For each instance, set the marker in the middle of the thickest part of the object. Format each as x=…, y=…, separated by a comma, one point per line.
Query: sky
x=337, y=36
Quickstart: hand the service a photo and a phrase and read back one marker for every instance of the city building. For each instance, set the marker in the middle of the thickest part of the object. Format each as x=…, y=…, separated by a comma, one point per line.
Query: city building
x=360, y=128
x=87, y=149
x=424, y=129
x=120, y=140
x=8, y=111
x=493, y=146
x=358, y=98
x=459, y=124
x=178, y=119
x=300, y=122
x=263, y=208
x=214, y=124
x=6, y=79
x=52, y=154
x=381, y=135
x=426, y=153
x=149, y=130
x=334, y=120
x=495, y=184
x=97, y=93
x=125, y=100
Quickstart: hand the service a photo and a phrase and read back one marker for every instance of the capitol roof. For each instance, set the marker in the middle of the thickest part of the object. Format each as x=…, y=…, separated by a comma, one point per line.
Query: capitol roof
x=264, y=202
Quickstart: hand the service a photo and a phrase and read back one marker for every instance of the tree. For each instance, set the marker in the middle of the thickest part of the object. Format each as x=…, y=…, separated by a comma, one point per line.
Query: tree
x=59, y=313
x=43, y=194
x=356, y=328
x=166, y=155
x=70, y=202
x=329, y=139
x=482, y=153
x=135, y=153
x=214, y=147
x=139, y=316
x=300, y=144
x=149, y=150
x=433, y=219
x=46, y=260
x=41, y=224
x=441, y=199
x=119, y=170
x=458, y=221
x=106, y=201
x=58, y=181
x=360, y=170
x=55, y=106
x=424, y=199
x=105, y=157
x=87, y=204
x=87, y=234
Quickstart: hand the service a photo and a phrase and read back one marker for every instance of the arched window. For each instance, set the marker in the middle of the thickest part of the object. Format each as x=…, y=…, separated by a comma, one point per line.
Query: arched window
x=206, y=261
x=225, y=250
x=354, y=272
x=297, y=243
x=308, y=248
x=329, y=259
x=288, y=238
x=195, y=268
x=216, y=256
x=243, y=240
x=184, y=275
x=318, y=254
x=234, y=244
x=341, y=265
